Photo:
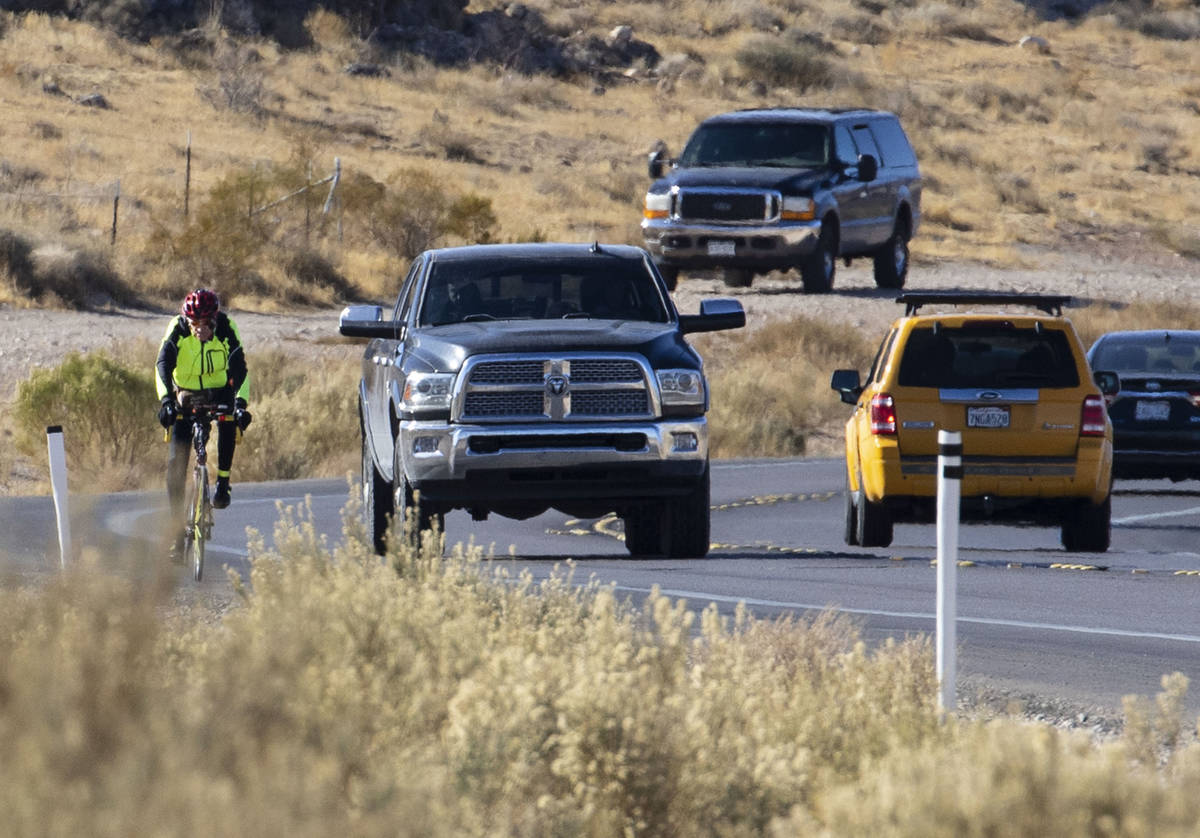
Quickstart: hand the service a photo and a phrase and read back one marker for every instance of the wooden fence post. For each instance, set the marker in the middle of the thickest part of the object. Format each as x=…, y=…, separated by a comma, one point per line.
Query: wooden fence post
x=116, y=201
x=187, y=177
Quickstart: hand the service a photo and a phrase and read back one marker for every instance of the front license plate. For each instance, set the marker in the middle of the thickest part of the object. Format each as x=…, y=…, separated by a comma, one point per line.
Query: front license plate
x=987, y=417
x=1151, y=411
x=719, y=247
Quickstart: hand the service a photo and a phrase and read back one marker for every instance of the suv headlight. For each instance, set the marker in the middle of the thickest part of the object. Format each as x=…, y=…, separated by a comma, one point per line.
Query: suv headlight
x=427, y=392
x=681, y=388
x=658, y=205
x=798, y=209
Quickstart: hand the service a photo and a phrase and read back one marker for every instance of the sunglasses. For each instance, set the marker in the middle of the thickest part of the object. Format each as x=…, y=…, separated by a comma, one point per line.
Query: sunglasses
x=200, y=324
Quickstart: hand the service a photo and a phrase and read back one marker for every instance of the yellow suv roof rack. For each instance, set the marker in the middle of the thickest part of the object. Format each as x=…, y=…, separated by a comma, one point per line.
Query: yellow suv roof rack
x=1051, y=304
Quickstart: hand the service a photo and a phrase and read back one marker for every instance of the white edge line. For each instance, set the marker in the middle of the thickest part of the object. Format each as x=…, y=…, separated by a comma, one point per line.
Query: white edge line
x=913, y=615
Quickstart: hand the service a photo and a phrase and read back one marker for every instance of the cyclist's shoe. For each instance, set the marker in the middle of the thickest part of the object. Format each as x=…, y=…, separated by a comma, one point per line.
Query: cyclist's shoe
x=221, y=496
x=176, y=551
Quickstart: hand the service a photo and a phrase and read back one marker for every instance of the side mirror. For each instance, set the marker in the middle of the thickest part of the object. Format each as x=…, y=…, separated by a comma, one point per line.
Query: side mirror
x=656, y=162
x=1108, y=382
x=868, y=168
x=367, y=322
x=715, y=315
x=847, y=385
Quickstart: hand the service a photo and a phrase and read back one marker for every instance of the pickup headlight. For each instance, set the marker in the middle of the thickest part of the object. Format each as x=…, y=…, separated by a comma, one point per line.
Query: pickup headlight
x=681, y=388
x=427, y=392
x=658, y=205
x=798, y=209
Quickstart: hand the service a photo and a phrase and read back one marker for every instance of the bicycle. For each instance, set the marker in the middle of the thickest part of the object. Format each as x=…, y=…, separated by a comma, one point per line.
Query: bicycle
x=203, y=409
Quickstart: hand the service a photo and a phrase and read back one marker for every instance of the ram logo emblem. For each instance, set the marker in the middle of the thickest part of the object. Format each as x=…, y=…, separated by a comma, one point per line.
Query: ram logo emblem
x=557, y=384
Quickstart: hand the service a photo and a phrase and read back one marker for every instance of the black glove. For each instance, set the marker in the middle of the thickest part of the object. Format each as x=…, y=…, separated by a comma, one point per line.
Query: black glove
x=242, y=416
x=167, y=411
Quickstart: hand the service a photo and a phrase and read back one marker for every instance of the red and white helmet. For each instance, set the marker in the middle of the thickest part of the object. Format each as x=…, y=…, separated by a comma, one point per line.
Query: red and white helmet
x=201, y=304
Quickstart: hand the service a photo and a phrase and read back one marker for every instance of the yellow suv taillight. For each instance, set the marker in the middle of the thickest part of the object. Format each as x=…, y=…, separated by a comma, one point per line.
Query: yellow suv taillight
x=1092, y=417
x=883, y=414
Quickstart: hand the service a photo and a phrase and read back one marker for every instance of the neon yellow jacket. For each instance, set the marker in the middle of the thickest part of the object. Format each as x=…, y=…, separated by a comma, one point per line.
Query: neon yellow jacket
x=184, y=363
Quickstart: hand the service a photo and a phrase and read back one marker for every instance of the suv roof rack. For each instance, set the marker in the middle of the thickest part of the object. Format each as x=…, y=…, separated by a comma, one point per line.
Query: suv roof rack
x=1052, y=304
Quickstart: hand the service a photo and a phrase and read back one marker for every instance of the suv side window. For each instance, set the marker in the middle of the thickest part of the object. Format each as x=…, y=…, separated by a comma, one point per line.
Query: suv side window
x=864, y=141
x=844, y=148
x=893, y=143
x=881, y=355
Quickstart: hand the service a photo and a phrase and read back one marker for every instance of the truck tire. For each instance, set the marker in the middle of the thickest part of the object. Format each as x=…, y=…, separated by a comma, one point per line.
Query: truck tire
x=817, y=271
x=408, y=505
x=645, y=530
x=737, y=277
x=1088, y=527
x=891, y=260
x=377, y=497
x=688, y=519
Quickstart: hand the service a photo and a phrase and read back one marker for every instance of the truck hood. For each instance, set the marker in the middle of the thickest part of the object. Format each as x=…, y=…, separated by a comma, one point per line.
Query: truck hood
x=447, y=347
x=787, y=181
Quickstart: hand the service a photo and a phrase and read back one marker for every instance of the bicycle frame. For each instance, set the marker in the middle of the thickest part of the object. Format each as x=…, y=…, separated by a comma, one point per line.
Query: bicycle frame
x=199, y=523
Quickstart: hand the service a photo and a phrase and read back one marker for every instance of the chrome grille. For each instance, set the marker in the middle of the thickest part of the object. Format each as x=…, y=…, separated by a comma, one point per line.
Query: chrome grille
x=508, y=372
x=504, y=404
x=600, y=372
x=608, y=403
x=749, y=207
x=561, y=387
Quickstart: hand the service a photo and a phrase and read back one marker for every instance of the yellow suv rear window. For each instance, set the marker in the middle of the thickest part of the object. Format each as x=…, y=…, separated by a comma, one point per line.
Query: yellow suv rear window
x=991, y=354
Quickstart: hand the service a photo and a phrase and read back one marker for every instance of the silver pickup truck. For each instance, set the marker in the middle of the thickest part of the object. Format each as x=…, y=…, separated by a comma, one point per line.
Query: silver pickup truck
x=518, y=378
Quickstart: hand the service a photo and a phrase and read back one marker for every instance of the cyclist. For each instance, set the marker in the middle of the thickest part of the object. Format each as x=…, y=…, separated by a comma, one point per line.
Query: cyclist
x=201, y=350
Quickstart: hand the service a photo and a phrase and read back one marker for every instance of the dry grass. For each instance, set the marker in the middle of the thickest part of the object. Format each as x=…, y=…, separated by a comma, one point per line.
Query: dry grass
x=1106, y=122
x=444, y=697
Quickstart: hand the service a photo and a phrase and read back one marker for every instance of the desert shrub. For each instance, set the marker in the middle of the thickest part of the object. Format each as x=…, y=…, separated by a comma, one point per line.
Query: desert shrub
x=16, y=265
x=105, y=409
x=782, y=63
x=420, y=211
x=313, y=271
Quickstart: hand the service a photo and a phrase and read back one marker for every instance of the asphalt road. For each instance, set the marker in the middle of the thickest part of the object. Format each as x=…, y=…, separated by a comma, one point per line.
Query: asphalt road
x=1032, y=618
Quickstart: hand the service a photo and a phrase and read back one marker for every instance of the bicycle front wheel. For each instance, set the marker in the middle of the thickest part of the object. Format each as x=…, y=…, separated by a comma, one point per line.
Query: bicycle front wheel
x=199, y=532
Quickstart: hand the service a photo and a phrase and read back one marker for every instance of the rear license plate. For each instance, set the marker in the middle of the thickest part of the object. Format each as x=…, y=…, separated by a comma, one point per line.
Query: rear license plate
x=987, y=417
x=1151, y=411
x=719, y=247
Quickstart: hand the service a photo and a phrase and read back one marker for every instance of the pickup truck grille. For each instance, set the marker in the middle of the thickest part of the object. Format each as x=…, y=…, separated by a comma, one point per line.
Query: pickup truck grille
x=728, y=206
x=559, y=388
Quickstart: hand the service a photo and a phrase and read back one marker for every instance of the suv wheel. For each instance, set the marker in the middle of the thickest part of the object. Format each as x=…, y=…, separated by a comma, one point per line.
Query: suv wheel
x=874, y=521
x=688, y=522
x=891, y=260
x=377, y=495
x=670, y=275
x=816, y=272
x=738, y=277
x=1088, y=527
x=850, y=513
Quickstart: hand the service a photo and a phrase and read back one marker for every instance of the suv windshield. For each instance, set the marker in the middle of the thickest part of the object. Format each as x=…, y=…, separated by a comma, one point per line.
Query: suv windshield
x=790, y=145
x=541, y=290
x=988, y=355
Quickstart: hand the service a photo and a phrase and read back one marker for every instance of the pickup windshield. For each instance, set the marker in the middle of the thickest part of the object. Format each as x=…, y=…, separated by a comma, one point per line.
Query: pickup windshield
x=785, y=145
x=459, y=291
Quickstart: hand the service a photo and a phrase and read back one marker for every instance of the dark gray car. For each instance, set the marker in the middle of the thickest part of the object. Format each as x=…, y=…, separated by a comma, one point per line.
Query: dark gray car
x=783, y=188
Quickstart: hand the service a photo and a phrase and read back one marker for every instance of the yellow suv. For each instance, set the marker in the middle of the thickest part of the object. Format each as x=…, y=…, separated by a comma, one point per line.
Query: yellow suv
x=1036, y=438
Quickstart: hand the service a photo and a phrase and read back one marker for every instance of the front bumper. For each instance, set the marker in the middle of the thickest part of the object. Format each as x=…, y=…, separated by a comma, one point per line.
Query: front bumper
x=694, y=245
x=552, y=461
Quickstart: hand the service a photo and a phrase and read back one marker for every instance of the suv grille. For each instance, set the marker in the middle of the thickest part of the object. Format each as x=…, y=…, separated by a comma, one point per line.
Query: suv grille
x=556, y=388
x=750, y=207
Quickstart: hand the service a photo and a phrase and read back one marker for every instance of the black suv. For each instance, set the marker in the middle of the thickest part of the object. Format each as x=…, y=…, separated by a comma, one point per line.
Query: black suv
x=780, y=188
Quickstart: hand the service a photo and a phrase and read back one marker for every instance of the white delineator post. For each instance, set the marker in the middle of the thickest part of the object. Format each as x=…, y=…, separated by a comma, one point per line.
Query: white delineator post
x=58, y=484
x=949, y=492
